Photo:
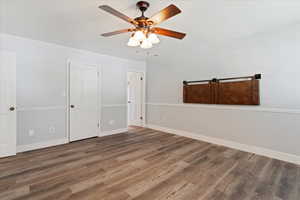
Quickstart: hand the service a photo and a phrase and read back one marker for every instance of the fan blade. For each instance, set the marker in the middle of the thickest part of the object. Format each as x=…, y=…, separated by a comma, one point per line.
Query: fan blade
x=165, y=14
x=116, y=32
x=117, y=14
x=169, y=33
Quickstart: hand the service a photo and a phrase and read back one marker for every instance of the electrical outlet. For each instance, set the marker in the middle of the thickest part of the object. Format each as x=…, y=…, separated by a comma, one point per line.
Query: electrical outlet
x=111, y=122
x=52, y=129
x=31, y=132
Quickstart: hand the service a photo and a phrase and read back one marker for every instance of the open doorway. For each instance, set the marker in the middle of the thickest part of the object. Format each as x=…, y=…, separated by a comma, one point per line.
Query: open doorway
x=135, y=100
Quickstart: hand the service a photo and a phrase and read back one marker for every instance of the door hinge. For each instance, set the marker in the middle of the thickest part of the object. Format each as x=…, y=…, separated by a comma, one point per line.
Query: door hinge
x=98, y=125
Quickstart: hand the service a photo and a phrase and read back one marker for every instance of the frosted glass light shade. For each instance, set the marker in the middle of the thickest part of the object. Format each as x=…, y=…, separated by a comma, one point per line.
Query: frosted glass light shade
x=139, y=36
x=153, y=38
x=133, y=43
x=146, y=44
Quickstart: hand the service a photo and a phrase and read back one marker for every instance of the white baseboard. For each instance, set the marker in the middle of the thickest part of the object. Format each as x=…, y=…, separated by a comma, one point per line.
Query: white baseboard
x=40, y=145
x=117, y=131
x=235, y=145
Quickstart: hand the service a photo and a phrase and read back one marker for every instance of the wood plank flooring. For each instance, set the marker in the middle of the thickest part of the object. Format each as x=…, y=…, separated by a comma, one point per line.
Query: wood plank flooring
x=144, y=164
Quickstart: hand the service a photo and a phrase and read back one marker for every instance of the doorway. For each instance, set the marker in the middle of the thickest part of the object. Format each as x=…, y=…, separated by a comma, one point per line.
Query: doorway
x=135, y=99
x=84, y=96
x=7, y=104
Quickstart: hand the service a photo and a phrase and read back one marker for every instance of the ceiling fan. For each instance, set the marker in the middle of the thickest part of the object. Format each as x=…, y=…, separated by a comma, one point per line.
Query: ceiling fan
x=145, y=30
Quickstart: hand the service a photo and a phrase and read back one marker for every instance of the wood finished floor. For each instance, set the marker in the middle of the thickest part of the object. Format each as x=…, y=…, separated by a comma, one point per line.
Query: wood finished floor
x=147, y=165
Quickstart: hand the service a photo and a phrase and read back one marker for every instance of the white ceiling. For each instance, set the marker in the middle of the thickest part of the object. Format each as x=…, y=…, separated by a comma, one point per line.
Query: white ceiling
x=209, y=23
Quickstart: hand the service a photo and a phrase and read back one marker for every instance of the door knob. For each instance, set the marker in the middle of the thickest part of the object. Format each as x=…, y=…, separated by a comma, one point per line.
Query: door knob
x=129, y=101
x=12, y=108
x=72, y=106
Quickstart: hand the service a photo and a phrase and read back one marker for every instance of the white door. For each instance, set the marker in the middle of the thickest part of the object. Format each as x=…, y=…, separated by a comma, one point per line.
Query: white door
x=7, y=104
x=135, y=98
x=84, y=115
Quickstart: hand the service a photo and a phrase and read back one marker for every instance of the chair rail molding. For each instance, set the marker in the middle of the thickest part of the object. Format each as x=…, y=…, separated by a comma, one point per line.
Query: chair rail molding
x=37, y=108
x=113, y=105
x=226, y=107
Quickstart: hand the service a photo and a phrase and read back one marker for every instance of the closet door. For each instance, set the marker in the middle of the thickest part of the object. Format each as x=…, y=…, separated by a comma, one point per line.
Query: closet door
x=84, y=115
x=7, y=104
x=135, y=98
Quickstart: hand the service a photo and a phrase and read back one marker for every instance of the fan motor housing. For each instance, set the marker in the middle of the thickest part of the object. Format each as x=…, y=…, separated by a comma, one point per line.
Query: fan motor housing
x=143, y=5
x=143, y=20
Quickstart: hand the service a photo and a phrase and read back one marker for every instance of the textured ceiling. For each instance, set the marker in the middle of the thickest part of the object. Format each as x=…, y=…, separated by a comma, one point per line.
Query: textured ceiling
x=208, y=23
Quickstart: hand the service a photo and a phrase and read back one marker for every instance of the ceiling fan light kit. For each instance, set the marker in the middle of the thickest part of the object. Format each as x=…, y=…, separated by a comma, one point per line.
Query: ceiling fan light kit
x=133, y=43
x=153, y=38
x=144, y=40
x=144, y=31
x=146, y=44
x=139, y=36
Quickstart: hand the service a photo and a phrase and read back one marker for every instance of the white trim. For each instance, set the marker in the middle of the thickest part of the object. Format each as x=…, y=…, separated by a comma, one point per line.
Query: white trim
x=144, y=98
x=235, y=145
x=40, y=145
x=114, y=105
x=112, y=132
x=36, y=108
x=99, y=108
x=225, y=107
x=67, y=89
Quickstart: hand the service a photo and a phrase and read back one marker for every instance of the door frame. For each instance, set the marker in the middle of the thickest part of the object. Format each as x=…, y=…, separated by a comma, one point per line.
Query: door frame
x=68, y=70
x=143, y=96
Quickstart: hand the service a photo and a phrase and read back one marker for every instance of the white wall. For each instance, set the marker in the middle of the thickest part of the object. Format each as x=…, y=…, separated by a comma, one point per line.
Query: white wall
x=41, y=87
x=274, y=125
